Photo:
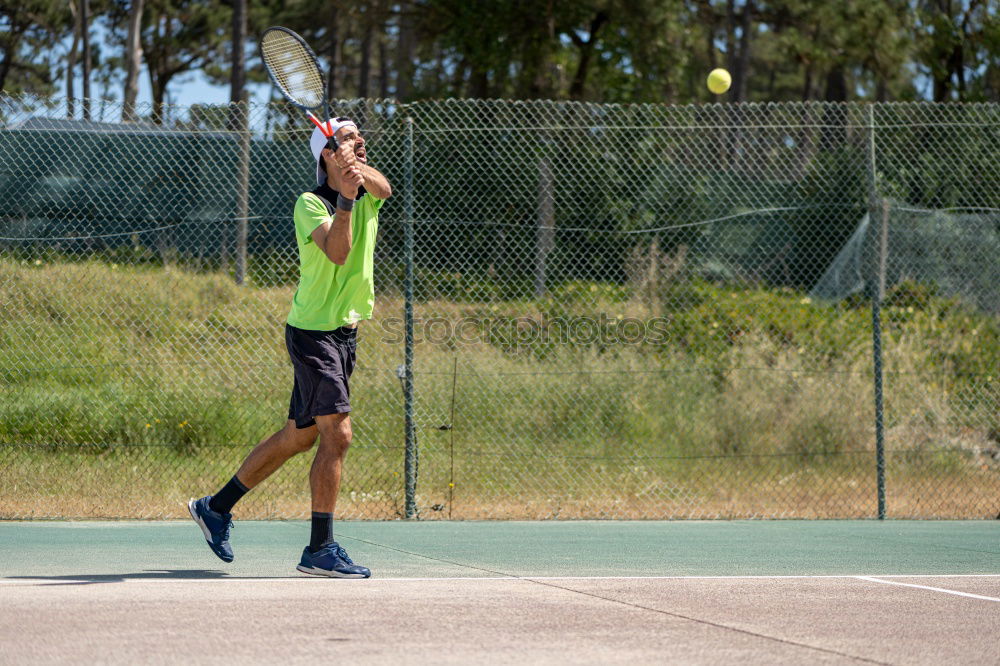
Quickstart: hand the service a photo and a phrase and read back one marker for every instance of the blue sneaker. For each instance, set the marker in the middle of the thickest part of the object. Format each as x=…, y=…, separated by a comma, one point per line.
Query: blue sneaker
x=331, y=561
x=215, y=527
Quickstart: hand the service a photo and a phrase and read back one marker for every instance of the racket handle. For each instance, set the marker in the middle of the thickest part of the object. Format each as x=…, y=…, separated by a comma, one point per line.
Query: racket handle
x=331, y=139
x=324, y=128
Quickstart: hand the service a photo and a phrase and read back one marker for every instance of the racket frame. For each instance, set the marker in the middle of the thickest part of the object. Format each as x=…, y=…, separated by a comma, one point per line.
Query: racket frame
x=324, y=126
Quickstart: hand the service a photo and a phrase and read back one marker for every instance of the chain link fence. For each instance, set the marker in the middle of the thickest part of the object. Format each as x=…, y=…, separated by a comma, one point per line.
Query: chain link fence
x=781, y=310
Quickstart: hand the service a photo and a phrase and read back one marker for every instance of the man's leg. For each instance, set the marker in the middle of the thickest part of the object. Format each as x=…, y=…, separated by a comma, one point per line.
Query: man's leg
x=213, y=513
x=270, y=454
x=324, y=476
x=274, y=451
x=324, y=556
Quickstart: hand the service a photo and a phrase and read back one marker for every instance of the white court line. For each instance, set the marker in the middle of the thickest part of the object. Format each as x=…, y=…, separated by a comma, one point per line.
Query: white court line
x=928, y=587
x=250, y=579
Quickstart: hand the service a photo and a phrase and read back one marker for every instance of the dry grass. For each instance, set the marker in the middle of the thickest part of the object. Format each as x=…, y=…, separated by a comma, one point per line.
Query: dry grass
x=760, y=405
x=144, y=484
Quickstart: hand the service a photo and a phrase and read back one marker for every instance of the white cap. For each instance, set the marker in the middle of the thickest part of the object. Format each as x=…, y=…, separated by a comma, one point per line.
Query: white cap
x=318, y=142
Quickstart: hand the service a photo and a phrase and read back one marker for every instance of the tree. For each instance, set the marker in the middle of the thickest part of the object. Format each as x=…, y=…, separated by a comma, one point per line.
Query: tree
x=71, y=61
x=832, y=51
x=85, y=40
x=237, y=81
x=29, y=33
x=586, y=47
x=648, y=52
x=958, y=44
x=133, y=59
x=332, y=50
x=368, y=22
x=181, y=36
x=406, y=52
x=740, y=56
x=602, y=50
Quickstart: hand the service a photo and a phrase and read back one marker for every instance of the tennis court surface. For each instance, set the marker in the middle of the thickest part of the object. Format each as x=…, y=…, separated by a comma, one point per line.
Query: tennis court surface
x=570, y=592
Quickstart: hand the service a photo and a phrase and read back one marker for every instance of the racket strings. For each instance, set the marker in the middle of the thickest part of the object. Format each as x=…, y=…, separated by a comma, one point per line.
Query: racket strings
x=293, y=69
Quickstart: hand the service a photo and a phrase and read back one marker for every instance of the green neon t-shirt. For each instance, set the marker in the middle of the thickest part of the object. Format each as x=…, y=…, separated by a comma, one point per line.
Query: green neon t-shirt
x=330, y=296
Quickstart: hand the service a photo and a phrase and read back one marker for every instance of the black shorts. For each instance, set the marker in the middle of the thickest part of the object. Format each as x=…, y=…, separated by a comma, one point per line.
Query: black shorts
x=323, y=362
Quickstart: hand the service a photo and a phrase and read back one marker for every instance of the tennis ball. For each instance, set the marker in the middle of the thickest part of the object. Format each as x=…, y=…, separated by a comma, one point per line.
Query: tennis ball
x=719, y=80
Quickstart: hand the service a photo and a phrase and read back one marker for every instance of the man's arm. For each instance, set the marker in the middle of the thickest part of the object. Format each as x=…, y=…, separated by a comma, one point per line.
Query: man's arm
x=334, y=238
x=375, y=183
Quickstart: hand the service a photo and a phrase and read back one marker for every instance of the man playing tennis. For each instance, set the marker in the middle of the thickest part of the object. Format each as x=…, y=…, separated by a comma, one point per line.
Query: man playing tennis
x=335, y=228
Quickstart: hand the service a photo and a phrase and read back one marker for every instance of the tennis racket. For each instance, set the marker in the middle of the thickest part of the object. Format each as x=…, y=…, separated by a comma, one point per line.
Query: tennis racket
x=294, y=70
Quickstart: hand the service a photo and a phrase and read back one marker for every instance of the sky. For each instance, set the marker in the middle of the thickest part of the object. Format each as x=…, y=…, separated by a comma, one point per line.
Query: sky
x=184, y=89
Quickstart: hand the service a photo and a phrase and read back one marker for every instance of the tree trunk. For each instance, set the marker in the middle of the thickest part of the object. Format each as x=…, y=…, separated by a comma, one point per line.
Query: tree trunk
x=706, y=16
x=6, y=63
x=405, y=54
x=159, y=103
x=333, y=52
x=731, y=35
x=479, y=83
x=133, y=55
x=85, y=35
x=381, y=46
x=237, y=78
x=383, y=66
x=957, y=65
x=579, y=85
x=836, y=84
x=742, y=72
x=834, y=132
x=537, y=65
x=71, y=63
x=364, y=70
x=943, y=85
x=458, y=80
x=881, y=89
x=159, y=70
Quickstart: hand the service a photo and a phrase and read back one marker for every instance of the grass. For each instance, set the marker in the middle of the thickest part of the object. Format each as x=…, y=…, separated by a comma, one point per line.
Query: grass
x=153, y=382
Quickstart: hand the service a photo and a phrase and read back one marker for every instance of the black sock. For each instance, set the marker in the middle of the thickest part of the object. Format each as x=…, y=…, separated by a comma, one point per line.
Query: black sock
x=224, y=500
x=322, y=531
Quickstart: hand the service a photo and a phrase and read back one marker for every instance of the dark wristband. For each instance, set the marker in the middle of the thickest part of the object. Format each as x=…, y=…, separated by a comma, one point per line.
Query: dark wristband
x=343, y=203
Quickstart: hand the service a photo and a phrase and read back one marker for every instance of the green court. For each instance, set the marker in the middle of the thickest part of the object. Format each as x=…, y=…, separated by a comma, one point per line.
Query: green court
x=539, y=592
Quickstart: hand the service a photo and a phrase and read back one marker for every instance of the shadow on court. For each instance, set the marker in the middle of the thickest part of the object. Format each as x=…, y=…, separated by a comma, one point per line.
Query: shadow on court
x=153, y=574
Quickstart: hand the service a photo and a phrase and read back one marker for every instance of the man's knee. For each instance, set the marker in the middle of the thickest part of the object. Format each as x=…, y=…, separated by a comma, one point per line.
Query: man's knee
x=335, y=431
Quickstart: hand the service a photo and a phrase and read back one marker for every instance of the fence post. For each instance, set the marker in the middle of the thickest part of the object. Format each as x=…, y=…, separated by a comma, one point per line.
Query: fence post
x=241, y=124
x=877, y=289
x=410, y=456
x=545, y=231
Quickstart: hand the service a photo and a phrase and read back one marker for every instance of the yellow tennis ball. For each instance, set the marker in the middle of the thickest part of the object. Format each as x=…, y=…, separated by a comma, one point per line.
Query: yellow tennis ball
x=719, y=81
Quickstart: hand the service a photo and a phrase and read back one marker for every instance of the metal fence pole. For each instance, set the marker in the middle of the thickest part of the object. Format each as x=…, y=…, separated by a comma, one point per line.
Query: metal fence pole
x=410, y=457
x=877, y=288
x=241, y=113
x=545, y=232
